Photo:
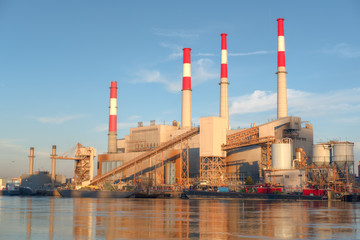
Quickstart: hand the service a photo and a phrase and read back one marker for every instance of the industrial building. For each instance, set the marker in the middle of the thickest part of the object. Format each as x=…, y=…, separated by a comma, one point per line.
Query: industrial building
x=279, y=152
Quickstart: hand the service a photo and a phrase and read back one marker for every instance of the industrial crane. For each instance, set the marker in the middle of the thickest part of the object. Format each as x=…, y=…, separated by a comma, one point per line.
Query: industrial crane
x=84, y=163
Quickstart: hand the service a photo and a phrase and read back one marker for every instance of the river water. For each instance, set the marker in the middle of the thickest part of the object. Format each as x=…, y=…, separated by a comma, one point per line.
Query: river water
x=80, y=218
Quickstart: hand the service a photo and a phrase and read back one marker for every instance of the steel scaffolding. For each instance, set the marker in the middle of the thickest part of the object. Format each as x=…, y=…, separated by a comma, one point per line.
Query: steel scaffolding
x=212, y=170
x=83, y=157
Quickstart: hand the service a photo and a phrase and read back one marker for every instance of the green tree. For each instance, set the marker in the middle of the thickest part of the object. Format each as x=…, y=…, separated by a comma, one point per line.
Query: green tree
x=249, y=181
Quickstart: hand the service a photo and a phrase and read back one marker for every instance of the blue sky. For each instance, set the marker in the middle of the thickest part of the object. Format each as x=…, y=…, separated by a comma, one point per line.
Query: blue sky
x=57, y=59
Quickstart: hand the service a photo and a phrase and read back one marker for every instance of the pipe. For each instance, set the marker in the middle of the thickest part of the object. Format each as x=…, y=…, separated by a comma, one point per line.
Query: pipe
x=186, y=90
x=31, y=168
x=282, y=109
x=224, y=95
x=112, y=118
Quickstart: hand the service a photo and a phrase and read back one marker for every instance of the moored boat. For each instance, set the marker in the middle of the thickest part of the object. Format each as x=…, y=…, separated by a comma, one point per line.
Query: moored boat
x=7, y=192
x=72, y=193
x=195, y=194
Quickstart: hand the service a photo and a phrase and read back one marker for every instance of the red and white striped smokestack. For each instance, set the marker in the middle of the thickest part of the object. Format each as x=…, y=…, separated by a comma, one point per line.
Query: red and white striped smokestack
x=282, y=109
x=112, y=118
x=186, y=90
x=224, y=97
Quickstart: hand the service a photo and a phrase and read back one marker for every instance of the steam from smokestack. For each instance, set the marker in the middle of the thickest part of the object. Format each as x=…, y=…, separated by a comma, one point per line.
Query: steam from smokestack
x=112, y=118
x=224, y=96
x=186, y=90
x=282, y=109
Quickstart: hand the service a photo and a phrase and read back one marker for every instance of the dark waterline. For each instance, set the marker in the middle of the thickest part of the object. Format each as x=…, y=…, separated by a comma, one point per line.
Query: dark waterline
x=79, y=218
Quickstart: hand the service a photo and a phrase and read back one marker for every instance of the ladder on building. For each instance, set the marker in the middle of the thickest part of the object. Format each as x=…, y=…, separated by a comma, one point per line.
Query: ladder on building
x=138, y=160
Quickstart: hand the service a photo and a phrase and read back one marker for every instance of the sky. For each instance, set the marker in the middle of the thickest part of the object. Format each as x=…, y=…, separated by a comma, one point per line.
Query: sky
x=57, y=59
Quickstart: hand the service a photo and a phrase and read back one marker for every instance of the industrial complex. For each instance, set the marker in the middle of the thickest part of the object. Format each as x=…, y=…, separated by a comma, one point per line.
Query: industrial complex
x=280, y=153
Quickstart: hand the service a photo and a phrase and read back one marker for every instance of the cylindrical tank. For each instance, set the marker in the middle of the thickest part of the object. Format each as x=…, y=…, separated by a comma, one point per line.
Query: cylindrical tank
x=343, y=152
x=321, y=154
x=282, y=155
x=298, y=154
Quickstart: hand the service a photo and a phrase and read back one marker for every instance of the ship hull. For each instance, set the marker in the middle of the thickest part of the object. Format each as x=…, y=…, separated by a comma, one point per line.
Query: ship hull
x=68, y=193
x=252, y=196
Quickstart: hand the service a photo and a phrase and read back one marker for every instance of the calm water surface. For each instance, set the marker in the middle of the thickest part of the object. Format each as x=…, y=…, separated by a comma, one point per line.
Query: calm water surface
x=61, y=218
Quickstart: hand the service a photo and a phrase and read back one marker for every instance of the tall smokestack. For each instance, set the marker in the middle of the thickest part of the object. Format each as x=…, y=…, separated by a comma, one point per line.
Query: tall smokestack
x=53, y=165
x=282, y=110
x=112, y=118
x=31, y=168
x=186, y=90
x=224, y=96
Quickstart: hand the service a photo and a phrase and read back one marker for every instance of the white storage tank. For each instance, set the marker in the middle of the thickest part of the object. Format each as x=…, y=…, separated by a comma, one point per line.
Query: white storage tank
x=281, y=154
x=321, y=154
x=343, y=152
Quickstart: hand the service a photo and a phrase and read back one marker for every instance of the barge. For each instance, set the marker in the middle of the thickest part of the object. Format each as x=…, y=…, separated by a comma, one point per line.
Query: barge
x=72, y=193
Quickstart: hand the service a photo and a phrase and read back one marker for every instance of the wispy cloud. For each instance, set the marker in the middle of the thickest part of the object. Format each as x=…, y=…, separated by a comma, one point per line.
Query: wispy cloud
x=343, y=50
x=258, y=101
x=57, y=119
x=262, y=52
x=176, y=33
x=154, y=76
x=177, y=51
x=348, y=120
x=11, y=144
x=300, y=103
x=175, y=48
x=15, y=146
x=207, y=54
x=101, y=128
x=202, y=71
x=134, y=117
x=321, y=104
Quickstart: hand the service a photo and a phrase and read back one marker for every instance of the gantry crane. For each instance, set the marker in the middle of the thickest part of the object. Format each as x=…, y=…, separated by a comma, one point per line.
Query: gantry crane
x=84, y=163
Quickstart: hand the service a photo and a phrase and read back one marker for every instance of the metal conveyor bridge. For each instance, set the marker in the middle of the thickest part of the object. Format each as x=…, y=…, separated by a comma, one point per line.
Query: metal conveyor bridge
x=139, y=159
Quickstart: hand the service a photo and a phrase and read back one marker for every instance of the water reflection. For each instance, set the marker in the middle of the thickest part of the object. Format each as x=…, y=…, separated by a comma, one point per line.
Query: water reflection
x=28, y=218
x=58, y=218
x=134, y=218
x=215, y=219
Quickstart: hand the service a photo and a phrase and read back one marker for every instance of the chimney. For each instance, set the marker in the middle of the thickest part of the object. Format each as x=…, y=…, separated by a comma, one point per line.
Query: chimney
x=186, y=90
x=53, y=164
x=224, y=96
x=282, y=110
x=31, y=168
x=112, y=118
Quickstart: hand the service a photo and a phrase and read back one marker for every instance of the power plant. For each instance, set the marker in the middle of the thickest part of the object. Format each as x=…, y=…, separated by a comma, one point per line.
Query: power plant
x=280, y=153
